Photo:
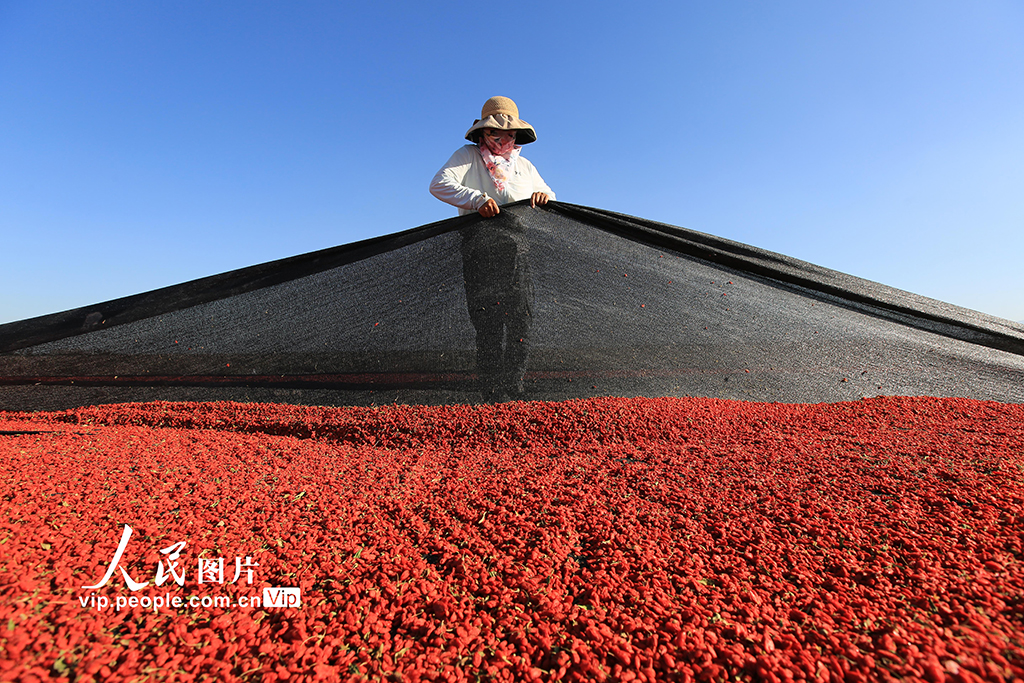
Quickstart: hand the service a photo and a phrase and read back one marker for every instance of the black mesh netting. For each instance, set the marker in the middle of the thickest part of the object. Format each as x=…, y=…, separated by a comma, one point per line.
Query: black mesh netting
x=545, y=304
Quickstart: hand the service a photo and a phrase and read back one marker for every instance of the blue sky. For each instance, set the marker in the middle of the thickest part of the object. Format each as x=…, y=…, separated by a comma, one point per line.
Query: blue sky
x=146, y=144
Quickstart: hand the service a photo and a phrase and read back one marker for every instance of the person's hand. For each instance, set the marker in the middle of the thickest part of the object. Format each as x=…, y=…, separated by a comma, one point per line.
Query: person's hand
x=489, y=209
x=538, y=199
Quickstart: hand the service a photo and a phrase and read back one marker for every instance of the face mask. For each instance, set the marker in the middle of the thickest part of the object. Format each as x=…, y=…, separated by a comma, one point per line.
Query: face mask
x=500, y=145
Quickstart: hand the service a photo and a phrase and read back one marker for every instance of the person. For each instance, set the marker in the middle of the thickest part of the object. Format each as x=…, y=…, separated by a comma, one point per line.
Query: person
x=491, y=172
x=480, y=178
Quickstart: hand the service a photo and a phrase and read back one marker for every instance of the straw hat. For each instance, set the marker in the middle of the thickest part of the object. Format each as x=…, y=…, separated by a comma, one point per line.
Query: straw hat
x=503, y=114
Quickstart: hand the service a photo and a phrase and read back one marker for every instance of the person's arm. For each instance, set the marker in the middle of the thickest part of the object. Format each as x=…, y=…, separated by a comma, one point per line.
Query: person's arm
x=447, y=183
x=539, y=188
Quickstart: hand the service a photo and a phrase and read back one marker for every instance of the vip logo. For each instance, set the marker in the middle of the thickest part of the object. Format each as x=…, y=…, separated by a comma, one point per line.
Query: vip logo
x=282, y=597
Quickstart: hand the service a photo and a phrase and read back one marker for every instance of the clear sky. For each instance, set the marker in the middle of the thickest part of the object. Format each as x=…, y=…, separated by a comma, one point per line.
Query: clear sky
x=143, y=144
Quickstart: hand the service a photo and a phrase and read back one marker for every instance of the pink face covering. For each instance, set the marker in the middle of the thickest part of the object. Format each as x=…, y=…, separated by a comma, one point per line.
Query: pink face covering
x=499, y=157
x=501, y=147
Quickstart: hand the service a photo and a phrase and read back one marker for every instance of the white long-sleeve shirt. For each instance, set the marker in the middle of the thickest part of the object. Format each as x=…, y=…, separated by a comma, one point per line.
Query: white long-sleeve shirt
x=465, y=183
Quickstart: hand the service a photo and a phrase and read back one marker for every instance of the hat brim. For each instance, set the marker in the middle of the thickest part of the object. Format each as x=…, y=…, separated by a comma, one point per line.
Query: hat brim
x=525, y=133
